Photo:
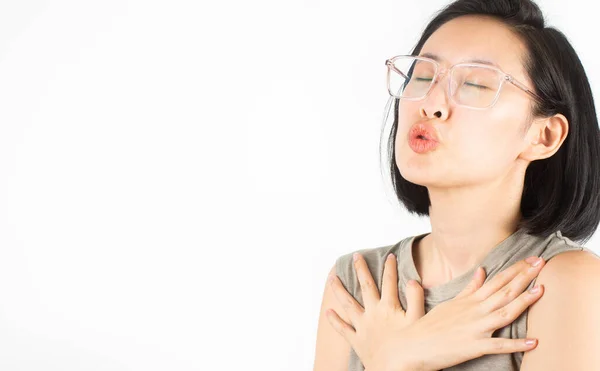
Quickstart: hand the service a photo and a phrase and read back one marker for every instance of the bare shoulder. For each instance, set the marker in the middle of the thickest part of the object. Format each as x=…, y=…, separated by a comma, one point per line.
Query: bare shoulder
x=577, y=267
x=565, y=319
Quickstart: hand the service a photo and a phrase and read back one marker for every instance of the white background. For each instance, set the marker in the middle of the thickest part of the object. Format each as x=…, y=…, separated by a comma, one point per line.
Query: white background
x=177, y=178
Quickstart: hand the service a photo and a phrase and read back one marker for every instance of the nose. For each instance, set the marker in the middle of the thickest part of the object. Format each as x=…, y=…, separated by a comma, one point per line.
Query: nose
x=435, y=104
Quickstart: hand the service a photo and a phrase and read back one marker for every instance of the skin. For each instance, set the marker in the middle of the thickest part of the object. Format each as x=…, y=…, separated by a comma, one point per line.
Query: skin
x=475, y=176
x=475, y=182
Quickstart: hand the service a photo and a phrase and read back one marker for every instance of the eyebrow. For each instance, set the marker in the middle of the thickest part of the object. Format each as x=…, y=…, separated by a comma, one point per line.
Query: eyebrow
x=474, y=60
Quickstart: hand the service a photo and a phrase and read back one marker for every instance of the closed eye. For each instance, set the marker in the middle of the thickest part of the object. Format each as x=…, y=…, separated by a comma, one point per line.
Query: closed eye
x=422, y=79
x=481, y=87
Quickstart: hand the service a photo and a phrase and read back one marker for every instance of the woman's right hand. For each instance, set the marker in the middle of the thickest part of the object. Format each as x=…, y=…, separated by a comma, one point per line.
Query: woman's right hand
x=460, y=329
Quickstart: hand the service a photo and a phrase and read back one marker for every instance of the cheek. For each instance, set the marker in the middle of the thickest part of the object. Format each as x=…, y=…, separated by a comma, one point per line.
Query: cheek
x=408, y=114
x=486, y=144
x=472, y=136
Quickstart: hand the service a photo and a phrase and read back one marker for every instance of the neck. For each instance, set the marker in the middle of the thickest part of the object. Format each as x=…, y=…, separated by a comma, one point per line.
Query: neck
x=466, y=224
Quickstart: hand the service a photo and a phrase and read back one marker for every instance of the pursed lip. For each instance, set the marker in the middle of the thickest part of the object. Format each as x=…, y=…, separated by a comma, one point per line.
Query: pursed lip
x=425, y=130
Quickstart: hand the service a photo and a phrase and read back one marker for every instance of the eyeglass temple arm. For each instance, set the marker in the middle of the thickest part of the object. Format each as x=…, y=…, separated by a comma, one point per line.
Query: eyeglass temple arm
x=516, y=83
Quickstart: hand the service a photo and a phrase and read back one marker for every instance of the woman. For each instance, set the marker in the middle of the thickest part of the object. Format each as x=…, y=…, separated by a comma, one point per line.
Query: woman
x=495, y=138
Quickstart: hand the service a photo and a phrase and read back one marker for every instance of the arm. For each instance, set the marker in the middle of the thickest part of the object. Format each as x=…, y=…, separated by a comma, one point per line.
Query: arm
x=566, y=320
x=332, y=350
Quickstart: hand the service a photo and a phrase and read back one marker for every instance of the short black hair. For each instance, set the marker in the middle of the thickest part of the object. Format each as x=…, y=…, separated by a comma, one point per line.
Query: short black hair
x=561, y=192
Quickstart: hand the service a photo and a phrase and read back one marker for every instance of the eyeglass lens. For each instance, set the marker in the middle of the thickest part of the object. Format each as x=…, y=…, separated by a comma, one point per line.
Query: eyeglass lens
x=475, y=86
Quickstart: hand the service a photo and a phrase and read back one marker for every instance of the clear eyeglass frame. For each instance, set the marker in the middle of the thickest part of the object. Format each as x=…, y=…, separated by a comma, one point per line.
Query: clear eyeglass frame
x=439, y=71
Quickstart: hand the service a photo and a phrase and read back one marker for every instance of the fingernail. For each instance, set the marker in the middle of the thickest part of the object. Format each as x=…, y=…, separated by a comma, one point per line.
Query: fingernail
x=535, y=289
x=529, y=342
x=355, y=256
x=531, y=259
x=390, y=256
x=535, y=261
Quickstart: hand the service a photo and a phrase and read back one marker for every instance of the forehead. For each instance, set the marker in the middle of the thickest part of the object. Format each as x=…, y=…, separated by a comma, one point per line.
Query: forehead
x=477, y=38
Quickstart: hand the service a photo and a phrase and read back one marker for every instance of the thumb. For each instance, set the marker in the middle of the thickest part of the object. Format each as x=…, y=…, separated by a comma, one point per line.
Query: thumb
x=474, y=285
x=415, y=299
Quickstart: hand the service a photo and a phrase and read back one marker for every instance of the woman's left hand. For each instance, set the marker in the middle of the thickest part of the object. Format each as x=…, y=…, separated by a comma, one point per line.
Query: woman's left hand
x=374, y=327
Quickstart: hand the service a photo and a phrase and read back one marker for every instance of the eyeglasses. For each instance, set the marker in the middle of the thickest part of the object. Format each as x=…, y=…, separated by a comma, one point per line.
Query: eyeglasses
x=472, y=85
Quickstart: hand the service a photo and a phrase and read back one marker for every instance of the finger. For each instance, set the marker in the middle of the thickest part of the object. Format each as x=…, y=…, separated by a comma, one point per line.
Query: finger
x=368, y=288
x=347, y=301
x=474, y=285
x=341, y=326
x=514, y=288
x=502, y=345
x=507, y=314
x=502, y=278
x=389, y=284
x=415, y=298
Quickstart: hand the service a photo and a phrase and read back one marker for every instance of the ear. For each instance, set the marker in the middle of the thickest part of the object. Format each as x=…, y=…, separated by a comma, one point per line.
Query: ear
x=544, y=138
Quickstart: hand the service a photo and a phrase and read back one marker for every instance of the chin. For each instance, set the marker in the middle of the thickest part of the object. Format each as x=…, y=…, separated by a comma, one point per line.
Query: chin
x=418, y=180
x=416, y=175
x=416, y=168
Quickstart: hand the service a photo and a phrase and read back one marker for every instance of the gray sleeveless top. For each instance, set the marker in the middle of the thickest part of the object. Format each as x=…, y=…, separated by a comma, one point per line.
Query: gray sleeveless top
x=517, y=246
